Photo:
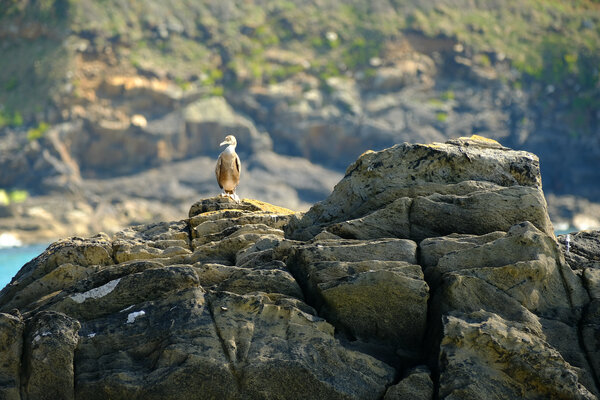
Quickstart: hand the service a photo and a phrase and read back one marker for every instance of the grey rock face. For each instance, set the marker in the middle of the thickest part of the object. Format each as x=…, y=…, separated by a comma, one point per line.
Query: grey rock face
x=435, y=190
x=144, y=315
x=439, y=256
x=48, y=353
x=582, y=251
x=482, y=354
x=372, y=291
x=11, y=344
x=417, y=385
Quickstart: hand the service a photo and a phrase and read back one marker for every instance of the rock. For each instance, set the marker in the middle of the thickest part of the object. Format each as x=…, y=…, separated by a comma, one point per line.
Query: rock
x=85, y=253
x=120, y=293
x=413, y=70
x=450, y=262
x=463, y=179
x=244, y=346
x=272, y=280
x=417, y=385
x=519, y=284
x=591, y=281
x=344, y=92
x=49, y=348
x=11, y=348
x=481, y=353
x=225, y=203
x=583, y=249
x=525, y=265
x=144, y=317
x=162, y=240
x=433, y=249
x=590, y=334
x=390, y=221
x=208, y=121
x=371, y=291
x=441, y=214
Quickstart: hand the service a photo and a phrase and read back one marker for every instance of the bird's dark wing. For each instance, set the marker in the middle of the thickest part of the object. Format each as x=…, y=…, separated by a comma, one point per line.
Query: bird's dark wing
x=218, y=171
x=238, y=165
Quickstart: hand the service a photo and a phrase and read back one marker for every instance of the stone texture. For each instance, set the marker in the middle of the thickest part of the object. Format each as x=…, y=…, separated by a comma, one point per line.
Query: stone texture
x=452, y=185
x=370, y=290
x=233, y=346
x=11, y=348
x=483, y=356
x=433, y=249
x=526, y=266
x=584, y=249
x=135, y=315
x=49, y=348
x=424, y=255
x=416, y=385
x=209, y=120
x=521, y=278
x=96, y=251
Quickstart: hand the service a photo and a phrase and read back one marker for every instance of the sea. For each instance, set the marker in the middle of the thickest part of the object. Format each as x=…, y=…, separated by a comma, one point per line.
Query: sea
x=14, y=257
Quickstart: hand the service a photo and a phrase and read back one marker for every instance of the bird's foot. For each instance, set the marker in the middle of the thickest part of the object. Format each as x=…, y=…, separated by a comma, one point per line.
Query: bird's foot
x=234, y=197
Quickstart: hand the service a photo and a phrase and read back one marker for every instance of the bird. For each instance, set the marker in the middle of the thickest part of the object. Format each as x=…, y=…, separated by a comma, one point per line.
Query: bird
x=228, y=168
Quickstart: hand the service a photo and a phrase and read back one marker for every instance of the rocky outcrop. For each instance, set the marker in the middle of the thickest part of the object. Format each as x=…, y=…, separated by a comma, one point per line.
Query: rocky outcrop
x=418, y=191
x=11, y=347
x=582, y=252
x=431, y=271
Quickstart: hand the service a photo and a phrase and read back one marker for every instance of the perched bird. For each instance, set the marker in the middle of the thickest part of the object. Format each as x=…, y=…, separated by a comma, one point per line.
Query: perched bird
x=228, y=168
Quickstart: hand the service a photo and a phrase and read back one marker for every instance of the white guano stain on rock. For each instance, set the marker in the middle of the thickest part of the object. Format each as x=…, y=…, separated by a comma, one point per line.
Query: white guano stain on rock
x=39, y=335
x=96, y=293
x=132, y=316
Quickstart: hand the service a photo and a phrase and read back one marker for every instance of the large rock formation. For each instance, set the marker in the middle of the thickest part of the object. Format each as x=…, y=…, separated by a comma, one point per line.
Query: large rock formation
x=431, y=271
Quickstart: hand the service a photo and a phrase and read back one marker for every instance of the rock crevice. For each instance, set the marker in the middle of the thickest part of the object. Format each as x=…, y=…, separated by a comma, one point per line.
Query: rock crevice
x=431, y=271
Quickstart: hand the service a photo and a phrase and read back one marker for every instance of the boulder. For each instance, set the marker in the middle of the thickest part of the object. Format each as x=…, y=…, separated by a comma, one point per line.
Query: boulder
x=448, y=188
x=11, y=348
x=49, y=350
x=223, y=346
x=439, y=256
x=162, y=241
x=525, y=265
x=481, y=353
x=209, y=120
x=416, y=385
x=135, y=315
x=525, y=282
x=85, y=253
x=370, y=290
x=581, y=249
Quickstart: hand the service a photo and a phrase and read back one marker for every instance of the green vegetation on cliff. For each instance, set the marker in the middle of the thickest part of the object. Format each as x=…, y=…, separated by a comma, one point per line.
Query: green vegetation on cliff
x=237, y=43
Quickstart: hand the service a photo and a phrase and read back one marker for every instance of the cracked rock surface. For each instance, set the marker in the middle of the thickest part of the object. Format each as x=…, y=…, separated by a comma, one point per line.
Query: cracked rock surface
x=431, y=271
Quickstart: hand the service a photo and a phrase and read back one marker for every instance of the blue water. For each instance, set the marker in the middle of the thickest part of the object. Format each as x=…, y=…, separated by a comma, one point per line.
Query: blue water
x=13, y=258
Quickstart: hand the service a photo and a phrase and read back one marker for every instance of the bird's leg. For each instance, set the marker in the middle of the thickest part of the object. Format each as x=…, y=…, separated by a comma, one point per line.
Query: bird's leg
x=235, y=197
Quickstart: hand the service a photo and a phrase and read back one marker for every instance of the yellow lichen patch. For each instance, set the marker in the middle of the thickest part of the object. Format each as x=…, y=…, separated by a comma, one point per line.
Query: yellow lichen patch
x=481, y=139
x=366, y=152
x=434, y=145
x=215, y=215
x=268, y=207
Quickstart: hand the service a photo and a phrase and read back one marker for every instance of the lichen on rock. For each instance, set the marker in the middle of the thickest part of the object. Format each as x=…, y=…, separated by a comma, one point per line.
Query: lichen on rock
x=431, y=271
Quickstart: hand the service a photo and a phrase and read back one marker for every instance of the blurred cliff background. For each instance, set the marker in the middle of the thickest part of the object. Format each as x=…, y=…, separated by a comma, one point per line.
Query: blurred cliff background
x=111, y=111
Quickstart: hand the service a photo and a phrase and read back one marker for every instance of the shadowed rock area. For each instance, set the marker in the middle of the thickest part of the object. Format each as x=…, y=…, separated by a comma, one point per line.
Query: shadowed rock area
x=430, y=272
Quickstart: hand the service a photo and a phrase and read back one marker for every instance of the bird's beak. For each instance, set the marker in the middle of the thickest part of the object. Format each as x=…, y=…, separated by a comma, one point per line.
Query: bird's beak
x=223, y=143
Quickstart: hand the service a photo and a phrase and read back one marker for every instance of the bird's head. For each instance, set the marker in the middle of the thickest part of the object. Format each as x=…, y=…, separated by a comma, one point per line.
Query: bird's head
x=229, y=140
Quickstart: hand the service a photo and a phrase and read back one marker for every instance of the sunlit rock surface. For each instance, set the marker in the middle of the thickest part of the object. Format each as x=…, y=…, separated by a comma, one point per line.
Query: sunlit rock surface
x=431, y=271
